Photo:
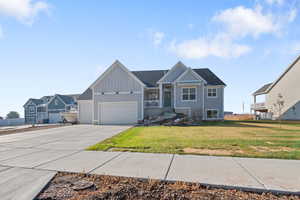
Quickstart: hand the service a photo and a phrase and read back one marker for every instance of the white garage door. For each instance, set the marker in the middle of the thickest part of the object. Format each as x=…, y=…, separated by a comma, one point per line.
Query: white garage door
x=118, y=112
x=85, y=112
x=54, y=118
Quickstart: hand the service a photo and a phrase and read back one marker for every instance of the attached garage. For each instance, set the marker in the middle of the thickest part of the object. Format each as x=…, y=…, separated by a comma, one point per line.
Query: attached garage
x=118, y=112
x=85, y=112
x=54, y=118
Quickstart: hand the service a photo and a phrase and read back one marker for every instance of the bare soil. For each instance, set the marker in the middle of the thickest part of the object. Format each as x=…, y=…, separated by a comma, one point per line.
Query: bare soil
x=211, y=151
x=12, y=131
x=70, y=186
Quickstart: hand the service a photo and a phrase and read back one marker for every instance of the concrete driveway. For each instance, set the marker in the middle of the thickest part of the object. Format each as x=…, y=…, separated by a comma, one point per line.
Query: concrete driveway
x=24, y=155
x=29, y=160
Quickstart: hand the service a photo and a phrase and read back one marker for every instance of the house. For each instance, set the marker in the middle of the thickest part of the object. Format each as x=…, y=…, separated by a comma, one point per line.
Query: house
x=120, y=96
x=281, y=97
x=48, y=108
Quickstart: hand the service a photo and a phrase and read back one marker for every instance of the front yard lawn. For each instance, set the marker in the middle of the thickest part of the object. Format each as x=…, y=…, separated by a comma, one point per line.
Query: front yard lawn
x=229, y=138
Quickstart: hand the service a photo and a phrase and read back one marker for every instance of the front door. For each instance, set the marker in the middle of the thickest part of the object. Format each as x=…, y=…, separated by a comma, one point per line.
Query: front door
x=167, y=98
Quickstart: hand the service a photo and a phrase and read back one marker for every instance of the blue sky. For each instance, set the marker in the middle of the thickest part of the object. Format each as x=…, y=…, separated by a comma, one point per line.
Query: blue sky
x=49, y=47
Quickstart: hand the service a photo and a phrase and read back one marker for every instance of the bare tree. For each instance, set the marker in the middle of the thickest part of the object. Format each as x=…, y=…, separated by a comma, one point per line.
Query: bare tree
x=279, y=105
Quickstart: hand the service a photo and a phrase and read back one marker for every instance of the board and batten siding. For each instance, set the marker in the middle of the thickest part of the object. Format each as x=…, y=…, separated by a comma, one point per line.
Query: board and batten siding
x=116, y=87
x=288, y=86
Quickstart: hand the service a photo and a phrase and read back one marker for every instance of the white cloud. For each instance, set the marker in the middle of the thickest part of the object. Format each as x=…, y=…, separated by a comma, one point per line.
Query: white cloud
x=219, y=46
x=242, y=22
x=157, y=38
x=278, y=2
x=292, y=15
x=23, y=10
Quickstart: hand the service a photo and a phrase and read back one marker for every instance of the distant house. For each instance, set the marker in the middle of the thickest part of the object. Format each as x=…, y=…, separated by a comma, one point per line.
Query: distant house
x=48, y=108
x=286, y=90
x=120, y=96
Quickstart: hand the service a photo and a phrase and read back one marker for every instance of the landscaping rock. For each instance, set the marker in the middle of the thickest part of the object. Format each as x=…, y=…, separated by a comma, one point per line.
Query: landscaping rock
x=83, y=185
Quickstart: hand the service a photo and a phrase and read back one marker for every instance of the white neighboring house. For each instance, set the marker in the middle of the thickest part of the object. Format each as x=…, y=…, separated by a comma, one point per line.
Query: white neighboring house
x=282, y=97
x=120, y=96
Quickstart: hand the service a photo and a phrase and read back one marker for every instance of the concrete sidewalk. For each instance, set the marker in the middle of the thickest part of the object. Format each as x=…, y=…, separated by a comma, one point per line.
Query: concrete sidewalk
x=62, y=149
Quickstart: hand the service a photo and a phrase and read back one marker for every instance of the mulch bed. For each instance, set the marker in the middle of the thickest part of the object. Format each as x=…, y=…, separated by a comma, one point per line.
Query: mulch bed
x=71, y=186
x=12, y=131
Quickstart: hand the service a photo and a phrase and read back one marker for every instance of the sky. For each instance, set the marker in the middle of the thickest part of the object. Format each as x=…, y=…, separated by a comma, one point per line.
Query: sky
x=62, y=46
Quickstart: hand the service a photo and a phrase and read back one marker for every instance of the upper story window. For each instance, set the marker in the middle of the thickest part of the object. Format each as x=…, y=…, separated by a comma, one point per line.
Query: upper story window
x=188, y=94
x=212, y=92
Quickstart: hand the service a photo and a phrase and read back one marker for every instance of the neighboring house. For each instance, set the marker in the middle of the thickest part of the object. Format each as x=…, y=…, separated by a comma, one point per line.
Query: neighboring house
x=48, y=108
x=120, y=96
x=285, y=90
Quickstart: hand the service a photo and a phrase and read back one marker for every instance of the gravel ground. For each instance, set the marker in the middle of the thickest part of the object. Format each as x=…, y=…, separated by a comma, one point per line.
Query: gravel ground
x=70, y=186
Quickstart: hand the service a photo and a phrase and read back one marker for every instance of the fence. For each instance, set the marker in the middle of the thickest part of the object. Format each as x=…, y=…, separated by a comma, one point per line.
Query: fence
x=12, y=122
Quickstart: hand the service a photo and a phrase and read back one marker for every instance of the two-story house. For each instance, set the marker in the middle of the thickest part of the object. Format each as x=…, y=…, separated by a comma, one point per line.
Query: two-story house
x=120, y=96
x=281, y=97
x=48, y=108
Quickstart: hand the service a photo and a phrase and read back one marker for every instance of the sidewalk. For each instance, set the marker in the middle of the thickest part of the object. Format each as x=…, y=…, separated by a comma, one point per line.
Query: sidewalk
x=247, y=173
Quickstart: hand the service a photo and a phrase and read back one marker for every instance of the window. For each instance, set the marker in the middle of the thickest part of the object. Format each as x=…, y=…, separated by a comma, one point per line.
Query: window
x=188, y=94
x=152, y=95
x=212, y=92
x=212, y=114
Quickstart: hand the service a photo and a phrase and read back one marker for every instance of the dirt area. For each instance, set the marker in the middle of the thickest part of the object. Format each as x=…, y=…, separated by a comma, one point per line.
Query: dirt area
x=67, y=186
x=12, y=131
x=212, y=151
x=272, y=149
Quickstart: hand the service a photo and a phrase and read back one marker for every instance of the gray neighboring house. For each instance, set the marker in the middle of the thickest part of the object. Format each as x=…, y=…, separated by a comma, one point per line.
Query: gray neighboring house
x=287, y=86
x=120, y=96
x=48, y=108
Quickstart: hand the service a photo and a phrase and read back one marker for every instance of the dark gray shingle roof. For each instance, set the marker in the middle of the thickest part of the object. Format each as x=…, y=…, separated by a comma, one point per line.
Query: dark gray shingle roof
x=209, y=76
x=150, y=78
x=37, y=101
x=263, y=89
x=86, y=95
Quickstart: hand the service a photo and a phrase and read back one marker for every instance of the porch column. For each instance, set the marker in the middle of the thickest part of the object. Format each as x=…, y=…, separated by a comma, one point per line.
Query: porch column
x=160, y=95
x=254, y=106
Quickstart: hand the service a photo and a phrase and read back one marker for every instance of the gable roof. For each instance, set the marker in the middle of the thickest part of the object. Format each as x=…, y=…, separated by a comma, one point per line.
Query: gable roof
x=193, y=73
x=66, y=99
x=177, y=65
x=263, y=89
x=284, y=73
x=150, y=78
x=35, y=101
x=116, y=64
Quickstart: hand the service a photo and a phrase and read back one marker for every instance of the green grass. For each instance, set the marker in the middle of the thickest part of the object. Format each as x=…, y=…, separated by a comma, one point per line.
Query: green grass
x=229, y=138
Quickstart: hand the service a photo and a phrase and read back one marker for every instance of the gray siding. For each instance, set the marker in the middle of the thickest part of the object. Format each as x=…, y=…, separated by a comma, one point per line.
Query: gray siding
x=215, y=102
x=195, y=107
x=117, y=80
x=30, y=113
x=289, y=87
x=188, y=77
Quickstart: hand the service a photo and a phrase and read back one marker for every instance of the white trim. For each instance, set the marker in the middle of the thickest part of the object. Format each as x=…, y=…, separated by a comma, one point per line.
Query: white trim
x=193, y=72
x=171, y=70
x=212, y=109
x=203, y=95
x=117, y=93
x=190, y=100
x=93, y=105
x=160, y=95
x=117, y=64
x=174, y=100
x=213, y=97
x=142, y=111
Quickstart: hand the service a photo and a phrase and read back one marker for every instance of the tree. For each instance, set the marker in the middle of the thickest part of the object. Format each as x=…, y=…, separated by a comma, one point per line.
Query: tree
x=1, y=118
x=12, y=115
x=279, y=105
